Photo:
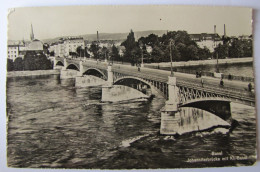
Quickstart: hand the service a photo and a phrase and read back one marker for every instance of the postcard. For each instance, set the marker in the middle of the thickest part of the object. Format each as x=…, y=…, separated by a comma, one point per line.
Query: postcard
x=130, y=87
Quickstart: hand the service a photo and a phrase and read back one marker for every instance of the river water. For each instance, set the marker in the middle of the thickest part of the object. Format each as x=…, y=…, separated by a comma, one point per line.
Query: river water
x=241, y=69
x=52, y=124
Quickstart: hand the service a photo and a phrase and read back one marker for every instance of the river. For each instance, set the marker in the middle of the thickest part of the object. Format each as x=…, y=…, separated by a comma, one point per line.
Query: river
x=52, y=124
x=237, y=69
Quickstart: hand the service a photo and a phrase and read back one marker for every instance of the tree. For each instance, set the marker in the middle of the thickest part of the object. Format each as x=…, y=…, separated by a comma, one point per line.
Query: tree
x=80, y=51
x=131, y=48
x=157, y=54
x=146, y=55
x=33, y=61
x=18, y=64
x=204, y=53
x=248, y=48
x=94, y=48
x=115, y=54
x=10, y=65
x=86, y=54
x=183, y=49
x=104, y=53
x=222, y=51
x=152, y=40
x=192, y=52
x=236, y=49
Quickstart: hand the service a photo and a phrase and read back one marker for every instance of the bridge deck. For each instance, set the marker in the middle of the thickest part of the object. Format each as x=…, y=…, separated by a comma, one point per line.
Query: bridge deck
x=232, y=89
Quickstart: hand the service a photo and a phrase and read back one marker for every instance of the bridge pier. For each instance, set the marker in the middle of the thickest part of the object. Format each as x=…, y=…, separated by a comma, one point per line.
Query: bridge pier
x=55, y=66
x=65, y=64
x=67, y=73
x=170, y=115
x=54, y=63
x=118, y=93
x=81, y=69
x=89, y=81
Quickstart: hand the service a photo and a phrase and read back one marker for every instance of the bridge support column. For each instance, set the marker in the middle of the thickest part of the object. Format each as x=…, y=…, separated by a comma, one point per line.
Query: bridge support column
x=170, y=115
x=65, y=64
x=54, y=63
x=109, y=76
x=81, y=69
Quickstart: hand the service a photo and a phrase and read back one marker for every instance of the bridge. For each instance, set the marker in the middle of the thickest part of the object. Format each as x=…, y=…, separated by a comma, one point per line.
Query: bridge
x=123, y=82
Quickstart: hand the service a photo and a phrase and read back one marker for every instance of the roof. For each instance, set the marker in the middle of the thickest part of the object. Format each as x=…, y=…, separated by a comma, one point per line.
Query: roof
x=205, y=36
x=14, y=45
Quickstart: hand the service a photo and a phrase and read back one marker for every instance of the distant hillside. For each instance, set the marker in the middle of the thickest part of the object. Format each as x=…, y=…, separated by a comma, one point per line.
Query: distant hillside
x=112, y=36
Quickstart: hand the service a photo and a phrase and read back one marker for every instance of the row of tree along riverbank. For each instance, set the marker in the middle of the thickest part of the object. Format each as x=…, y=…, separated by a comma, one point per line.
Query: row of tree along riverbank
x=31, y=61
x=155, y=49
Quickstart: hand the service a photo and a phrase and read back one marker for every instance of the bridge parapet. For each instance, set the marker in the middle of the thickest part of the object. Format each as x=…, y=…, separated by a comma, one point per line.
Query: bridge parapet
x=188, y=89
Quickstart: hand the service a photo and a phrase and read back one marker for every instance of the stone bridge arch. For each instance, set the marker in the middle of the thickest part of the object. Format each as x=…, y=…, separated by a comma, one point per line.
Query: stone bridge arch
x=95, y=72
x=148, y=89
x=73, y=66
x=59, y=63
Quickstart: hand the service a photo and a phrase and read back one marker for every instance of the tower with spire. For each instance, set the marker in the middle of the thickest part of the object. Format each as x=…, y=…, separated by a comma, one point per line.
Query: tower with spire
x=32, y=35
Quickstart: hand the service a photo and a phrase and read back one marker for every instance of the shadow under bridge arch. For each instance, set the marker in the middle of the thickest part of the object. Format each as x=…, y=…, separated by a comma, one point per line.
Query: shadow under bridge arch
x=95, y=72
x=59, y=63
x=73, y=66
x=138, y=84
x=218, y=107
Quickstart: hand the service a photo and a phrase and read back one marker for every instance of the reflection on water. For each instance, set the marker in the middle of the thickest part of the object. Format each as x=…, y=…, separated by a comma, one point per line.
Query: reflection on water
x=193, y=119
x=53, y=124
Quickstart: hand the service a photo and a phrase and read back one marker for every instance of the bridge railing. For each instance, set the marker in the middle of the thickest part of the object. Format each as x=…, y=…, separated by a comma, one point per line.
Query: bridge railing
x=208, y=87
x=211, y=88
x=226, y=92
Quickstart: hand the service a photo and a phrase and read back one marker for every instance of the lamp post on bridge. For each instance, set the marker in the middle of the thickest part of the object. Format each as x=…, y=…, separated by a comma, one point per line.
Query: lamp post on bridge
x=170, y=115
x=170, y=44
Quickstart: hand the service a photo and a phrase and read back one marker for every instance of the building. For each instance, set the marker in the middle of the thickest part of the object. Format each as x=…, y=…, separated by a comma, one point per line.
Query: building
x=65, y=46
x=245, y=37
x=19, y=49
x=13, y=51
x=209, y=40
x=35, y=45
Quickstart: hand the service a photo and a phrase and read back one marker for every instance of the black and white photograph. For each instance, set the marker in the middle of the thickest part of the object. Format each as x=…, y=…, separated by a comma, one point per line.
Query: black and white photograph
x=130, y=87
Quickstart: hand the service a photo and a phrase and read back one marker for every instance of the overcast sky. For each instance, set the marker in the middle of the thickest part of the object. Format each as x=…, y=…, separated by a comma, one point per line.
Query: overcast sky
x=50, y=22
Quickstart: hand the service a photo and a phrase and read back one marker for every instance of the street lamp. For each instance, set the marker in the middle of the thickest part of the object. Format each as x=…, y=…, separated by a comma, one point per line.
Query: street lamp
x=170, y=44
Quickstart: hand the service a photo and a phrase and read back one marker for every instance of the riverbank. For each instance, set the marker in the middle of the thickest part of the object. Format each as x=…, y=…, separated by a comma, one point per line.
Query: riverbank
x=237, y=69
x=202, y=62
x=32, y=73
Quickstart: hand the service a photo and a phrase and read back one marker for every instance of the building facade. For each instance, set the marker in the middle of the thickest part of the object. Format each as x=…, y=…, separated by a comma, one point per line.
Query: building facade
x=209, y=40
x=13, y=51
x=65, y=46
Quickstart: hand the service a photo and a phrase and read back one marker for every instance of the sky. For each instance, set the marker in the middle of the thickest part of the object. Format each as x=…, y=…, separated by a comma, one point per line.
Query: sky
x=51, y=22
